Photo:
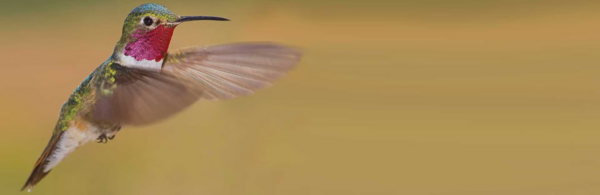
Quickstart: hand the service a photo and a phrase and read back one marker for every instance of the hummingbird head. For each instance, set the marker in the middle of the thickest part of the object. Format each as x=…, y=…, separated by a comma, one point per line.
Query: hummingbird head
x=147, y=34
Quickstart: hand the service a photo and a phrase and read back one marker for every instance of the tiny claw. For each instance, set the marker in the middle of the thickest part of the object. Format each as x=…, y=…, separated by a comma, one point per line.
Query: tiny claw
x=112, y=137
x=102, y=139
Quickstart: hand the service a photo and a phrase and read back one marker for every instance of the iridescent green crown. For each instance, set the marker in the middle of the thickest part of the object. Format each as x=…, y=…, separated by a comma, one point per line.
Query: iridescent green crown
x=156, y=10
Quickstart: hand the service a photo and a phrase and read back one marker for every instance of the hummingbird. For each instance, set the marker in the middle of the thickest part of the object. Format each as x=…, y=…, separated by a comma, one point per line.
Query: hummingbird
x=142, y=82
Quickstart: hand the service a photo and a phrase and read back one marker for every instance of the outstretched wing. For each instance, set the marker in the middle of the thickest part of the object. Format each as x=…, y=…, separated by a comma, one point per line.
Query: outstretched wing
x=139, y=97
x=228, y=71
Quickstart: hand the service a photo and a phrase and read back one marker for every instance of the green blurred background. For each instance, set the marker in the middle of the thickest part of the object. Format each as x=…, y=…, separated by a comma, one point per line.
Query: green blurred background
x=432, y=97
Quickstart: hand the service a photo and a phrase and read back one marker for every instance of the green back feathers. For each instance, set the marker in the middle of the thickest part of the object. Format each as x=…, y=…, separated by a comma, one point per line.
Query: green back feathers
x=74, y=104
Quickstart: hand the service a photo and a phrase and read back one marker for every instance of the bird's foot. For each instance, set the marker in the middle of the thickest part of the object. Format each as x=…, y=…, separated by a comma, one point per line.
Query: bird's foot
x=103, y=139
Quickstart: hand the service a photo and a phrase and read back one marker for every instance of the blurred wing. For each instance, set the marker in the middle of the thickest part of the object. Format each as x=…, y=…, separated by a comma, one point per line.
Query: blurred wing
x=231, y=70
x=139, y=97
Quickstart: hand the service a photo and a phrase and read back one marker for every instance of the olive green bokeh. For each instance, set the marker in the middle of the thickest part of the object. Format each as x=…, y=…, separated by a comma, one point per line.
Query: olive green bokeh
x=393, y=97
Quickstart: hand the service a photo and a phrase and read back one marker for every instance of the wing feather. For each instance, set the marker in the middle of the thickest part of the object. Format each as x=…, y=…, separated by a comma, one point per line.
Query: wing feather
x=232, y=70
x=139, y=97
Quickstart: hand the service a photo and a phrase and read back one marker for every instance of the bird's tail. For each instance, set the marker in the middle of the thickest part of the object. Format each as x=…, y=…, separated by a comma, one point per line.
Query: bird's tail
x=39, y=171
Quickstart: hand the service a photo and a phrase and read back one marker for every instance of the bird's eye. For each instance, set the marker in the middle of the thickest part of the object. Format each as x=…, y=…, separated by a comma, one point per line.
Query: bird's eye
x=148, y=21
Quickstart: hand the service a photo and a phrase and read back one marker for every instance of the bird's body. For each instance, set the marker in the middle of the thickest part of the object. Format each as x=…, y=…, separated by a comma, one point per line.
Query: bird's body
x=141, y=83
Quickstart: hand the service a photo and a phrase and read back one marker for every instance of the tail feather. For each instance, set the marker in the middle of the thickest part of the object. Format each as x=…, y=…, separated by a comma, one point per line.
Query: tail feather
x=38, y=172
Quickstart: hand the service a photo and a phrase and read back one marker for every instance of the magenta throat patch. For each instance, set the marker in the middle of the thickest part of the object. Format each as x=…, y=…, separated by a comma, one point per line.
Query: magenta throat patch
x=151, y=45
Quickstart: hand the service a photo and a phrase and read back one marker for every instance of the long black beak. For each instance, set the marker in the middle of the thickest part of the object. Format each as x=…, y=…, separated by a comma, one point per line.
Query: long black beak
x=194, y=18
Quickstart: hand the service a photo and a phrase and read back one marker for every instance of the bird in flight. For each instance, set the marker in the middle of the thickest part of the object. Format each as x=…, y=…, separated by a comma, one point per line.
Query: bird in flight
x=142, y=83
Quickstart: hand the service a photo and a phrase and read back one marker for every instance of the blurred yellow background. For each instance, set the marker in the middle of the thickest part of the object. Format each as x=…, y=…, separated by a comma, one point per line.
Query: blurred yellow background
x=415, y=97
